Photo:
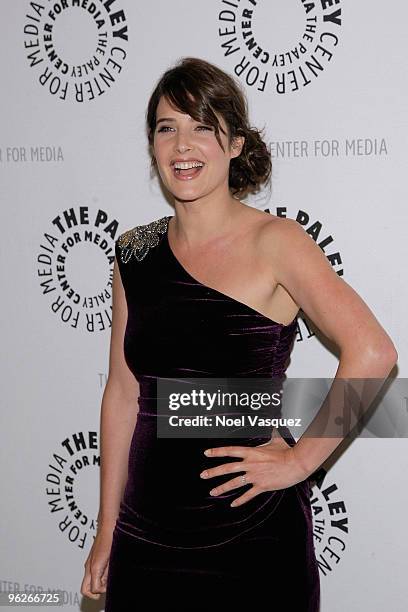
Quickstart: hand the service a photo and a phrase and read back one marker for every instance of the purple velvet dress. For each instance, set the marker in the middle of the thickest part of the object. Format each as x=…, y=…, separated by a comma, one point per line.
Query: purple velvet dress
x=173, y=543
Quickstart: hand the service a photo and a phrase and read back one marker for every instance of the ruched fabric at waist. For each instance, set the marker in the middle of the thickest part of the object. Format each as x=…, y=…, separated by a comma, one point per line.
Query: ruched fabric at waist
x=153, y=388
x=166, y=502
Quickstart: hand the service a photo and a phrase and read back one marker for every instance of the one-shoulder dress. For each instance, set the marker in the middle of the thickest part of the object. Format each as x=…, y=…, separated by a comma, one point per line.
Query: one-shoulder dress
x=173, y=543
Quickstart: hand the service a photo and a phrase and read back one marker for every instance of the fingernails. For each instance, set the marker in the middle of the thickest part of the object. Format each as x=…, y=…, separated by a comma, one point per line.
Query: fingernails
x=207, y=453
x=204, y=474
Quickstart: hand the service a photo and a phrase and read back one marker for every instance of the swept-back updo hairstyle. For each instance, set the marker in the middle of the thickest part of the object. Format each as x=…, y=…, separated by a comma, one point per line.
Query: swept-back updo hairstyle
x=200, y=89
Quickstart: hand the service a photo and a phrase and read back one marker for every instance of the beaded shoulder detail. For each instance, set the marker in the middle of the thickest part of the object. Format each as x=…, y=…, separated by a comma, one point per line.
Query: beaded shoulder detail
x=138, y=241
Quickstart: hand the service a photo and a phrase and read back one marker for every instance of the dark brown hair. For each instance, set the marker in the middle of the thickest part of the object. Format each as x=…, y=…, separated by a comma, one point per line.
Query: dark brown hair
x=200, y=89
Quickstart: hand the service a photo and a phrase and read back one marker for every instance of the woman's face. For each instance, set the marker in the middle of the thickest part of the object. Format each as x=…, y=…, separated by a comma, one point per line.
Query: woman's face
x=177, y=138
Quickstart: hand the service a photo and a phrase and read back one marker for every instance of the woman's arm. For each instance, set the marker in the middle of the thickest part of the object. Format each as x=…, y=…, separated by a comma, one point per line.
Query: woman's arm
x=118, y=413
x=366, y=350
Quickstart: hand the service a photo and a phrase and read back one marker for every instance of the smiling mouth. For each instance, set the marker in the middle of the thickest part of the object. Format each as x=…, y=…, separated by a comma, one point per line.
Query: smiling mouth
x=189, y=173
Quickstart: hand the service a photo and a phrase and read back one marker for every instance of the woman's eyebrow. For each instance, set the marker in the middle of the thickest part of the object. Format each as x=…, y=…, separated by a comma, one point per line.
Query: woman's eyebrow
x=170, y=119
x=164, y=119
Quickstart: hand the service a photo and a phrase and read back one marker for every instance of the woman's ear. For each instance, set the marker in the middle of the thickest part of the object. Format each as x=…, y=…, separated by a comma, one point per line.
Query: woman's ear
x=237, y=145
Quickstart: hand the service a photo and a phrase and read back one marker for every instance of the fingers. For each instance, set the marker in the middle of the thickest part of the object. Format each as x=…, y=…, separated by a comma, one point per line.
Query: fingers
x=94, y=581
x=233, y=484
x=246, y=497
x=227, y=451
x=228, y=486
x=226, y=468
x=260, y=462
x=86, y=587
x=97, y=586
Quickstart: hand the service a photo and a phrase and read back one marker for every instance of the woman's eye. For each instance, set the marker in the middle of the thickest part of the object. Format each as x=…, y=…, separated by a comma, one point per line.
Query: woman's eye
x=164, y=128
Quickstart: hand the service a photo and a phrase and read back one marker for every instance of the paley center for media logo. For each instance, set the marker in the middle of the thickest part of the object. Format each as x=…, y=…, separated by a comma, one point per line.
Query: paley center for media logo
x=331, y=522
x=75, y=268
x=71, y=485
x=279, y=46
x=76, y=47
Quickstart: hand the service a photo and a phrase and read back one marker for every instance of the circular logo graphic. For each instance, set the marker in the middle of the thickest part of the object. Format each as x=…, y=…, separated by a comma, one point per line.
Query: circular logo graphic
x=279, y=45
x=71, y=486
x=330, y=522
x=76, y=47
x=75, y=268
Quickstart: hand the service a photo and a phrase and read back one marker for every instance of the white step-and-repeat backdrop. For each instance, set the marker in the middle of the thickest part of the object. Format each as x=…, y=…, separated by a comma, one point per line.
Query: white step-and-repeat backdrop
x=328, y=80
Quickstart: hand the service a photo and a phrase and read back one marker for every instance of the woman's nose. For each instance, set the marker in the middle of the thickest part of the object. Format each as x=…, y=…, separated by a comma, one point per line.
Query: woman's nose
x=181, y=148
x=182, y=142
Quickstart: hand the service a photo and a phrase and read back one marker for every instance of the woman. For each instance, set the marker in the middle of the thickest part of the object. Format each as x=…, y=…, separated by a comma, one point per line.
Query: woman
x=213, y=291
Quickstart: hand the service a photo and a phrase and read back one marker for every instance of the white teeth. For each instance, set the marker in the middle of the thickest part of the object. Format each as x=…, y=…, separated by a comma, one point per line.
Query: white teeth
x=187, y=165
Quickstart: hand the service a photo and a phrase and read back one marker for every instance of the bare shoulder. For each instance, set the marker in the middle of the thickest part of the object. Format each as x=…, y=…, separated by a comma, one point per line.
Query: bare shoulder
x=302, y=268
x=280, y=229
x=274, y=237
x=284, y=239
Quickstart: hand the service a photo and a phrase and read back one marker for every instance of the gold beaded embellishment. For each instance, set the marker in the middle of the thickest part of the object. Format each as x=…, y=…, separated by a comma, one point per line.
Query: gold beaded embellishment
x=140, y=239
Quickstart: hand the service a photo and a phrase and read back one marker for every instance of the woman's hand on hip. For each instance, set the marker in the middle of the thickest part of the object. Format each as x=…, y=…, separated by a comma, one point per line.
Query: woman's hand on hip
x=267, y=467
